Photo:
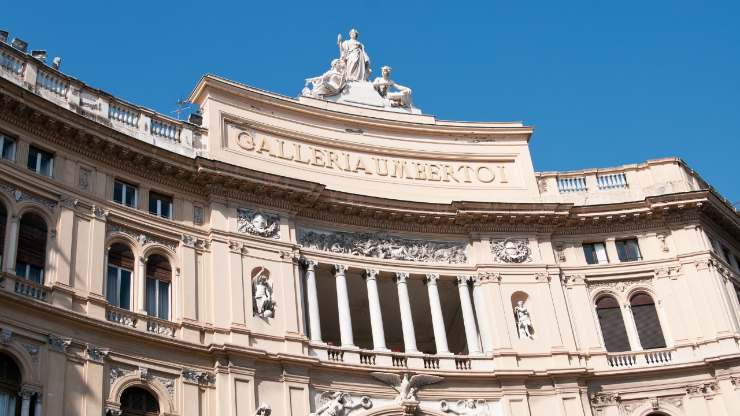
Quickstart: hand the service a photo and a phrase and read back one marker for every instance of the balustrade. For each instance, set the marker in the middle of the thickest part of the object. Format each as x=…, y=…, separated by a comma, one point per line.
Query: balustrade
x=612, y=180
x=165, y=129
x=123, y=114
x=11, y=64
x=31, y=289
x=399, y=360
x=621, y=360
x=367, y=358
x=462, y=363
x=572, y=184
x=632, y=359
x=160, y=327
x=335, y=354
x=50, y=82
x=121, y=316
x=431, y=362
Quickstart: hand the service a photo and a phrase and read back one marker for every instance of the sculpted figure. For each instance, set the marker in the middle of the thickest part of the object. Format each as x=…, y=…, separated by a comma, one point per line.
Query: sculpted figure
x=263, y=410
x=406, y=387
x=400, y=98
x=352, y=54
x=263, y=305
x=467, y=407
x=523, y=322
x=330, y=83
x=339, y=404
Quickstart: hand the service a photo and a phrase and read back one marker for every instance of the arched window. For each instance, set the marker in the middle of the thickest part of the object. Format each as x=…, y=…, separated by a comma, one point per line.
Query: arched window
x=31, y=248
x=612, y=324
x=136, y=401
x=10, y=385
x=158, y=278
x=118, y=282
x=3, y=221
x=647, y=322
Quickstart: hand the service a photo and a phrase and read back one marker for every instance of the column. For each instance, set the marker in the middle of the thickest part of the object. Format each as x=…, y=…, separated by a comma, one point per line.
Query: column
x=471, y=333
x=141, y=286
x=438, y=323
x=37, y=409
x=314, y=322
x=481, y=312
x=345, y=318
x=376, y=316
x=26, y=402
x=407, y=322
x=11, y=245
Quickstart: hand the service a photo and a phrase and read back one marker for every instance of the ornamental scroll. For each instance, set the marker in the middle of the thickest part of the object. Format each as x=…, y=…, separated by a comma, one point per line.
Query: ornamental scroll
x=383, y=246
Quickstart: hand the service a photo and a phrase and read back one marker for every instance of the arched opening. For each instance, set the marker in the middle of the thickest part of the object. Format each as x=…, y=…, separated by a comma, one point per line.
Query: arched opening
x=158, y=283
x=647, y=322
x=612, y=324
x=136, y=401
x=10, y=386
x=3, y=221
x=31, y=258
x=120, y=270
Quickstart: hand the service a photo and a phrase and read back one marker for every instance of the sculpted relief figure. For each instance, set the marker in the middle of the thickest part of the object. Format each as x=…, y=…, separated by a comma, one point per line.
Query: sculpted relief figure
x=406, y=387
x=467, y=407
x=262, y=294
x=352, y=54
x=399, y=98
x=339, y=404
x=523, y=321
x=331, y=83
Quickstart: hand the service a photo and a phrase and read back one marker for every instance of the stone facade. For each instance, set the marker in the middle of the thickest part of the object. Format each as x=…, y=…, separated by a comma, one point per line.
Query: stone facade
x=305, y=257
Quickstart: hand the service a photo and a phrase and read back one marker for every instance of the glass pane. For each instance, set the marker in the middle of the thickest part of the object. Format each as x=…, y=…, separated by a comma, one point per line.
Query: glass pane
x=165, y=209
x=111, y=288
x=35, y=274
x=8, y=149
x=151, y=296
x=130, y=196
x=118, y=192
x=153, y=204
x=32, y=155
x=124, y=292
x=590, y=253
x=20, y=269
x=164, y=300
x=45, y=168
x=601, y=253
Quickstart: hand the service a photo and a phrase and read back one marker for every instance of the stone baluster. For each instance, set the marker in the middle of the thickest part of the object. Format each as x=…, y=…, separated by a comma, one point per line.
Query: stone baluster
x=407, y=322
x=312, y=298
x=11, y=244
x=438, y=323
x=376, y=315
x=471, y=332
x=141, y=286
x=345, y=318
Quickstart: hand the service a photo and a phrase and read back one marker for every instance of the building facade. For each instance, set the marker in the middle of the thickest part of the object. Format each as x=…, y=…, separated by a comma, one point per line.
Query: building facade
x=330, y=257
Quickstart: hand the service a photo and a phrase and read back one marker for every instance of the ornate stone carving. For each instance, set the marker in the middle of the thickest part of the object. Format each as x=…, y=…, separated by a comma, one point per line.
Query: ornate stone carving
x=523, y=321
x=621, y=286
x=560, y=251
x=670, y=271
x=59, y=344
x=99, y=213
x=467, y=407
x=264, y=409
x=5, y=336
x=572, y=279
x=405, y=386
x=258, y=223
x=703, y=389
x=143, y=373
x=198, y=377
x=542, y=276
x=511, y=250
x=33, y=351
x=663, y=244
x=384, y=246
x=168, y=384
x=339, y=404
x=19, y=195
x=262, y=303
x=489, y=276
x=605, y=399
x=116, y=373
x=198, y=215
x=95, y=354
x=142, y=238
x=328, y=84
x=83, y=181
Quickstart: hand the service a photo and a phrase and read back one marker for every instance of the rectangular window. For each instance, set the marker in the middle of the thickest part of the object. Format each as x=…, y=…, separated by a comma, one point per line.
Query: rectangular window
x=595, y=253
x=40, y=161
x=118, y=287
x=160, y=205
x=125, y=194
x=628, y=250
x=158, y=298
x=7, y=147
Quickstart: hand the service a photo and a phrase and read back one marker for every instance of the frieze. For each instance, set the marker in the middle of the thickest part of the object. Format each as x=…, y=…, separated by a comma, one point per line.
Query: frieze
x=468, y=407
x=571, y=279
x=258, y=223
x=621, y=286
x=198, y=377
x=511, y=250
x=384, y=246
x=142, y=238
x=19, y=195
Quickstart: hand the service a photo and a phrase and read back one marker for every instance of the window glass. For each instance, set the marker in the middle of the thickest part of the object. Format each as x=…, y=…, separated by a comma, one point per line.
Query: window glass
x=647, y=322
x=40, y=161
x=7, y=147
x=160, y=205
x=595, y=253
x=628, y=250
x=612, y=325
x=124, y=193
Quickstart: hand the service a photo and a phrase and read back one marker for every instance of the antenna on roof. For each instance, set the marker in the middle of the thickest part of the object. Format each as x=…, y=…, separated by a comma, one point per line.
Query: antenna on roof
x=183, y=105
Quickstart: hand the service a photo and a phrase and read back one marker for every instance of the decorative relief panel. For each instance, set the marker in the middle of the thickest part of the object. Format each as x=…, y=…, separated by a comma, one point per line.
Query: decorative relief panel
x=258, y=223
x=142, y=238
x=20, y=195
x=511, y=250
x=384, y=246
x=621, y=286
x=339, y=403
x=468, y=407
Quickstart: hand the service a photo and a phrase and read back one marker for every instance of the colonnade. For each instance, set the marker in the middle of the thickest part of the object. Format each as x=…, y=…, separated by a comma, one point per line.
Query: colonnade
x=475, y=317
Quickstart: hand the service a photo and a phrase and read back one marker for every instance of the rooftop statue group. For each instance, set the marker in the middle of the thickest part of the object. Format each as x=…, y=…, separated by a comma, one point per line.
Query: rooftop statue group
x=353, y=66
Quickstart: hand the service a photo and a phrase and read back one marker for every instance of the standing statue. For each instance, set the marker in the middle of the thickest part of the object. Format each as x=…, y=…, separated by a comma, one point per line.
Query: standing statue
x=331, y=83
x=352, y=53
x=339, y=404
x=523, y=321
x=383, y=85
x=263, y=305
x=406, y=387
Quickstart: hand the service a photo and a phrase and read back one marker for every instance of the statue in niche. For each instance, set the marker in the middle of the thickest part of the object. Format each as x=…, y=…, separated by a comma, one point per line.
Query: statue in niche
x=328, y=84
x=339, y=404
x=467, y=407
x=406, y=387
x=399, y=98
x=263, y=410
x=523, y=321
x=352, y=54
x=262, y=294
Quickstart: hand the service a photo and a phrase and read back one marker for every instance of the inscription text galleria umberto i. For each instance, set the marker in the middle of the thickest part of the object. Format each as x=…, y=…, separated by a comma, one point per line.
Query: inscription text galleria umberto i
x=372, y=165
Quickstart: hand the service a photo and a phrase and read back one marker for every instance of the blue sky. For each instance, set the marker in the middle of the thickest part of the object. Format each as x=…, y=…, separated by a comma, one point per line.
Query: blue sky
x=604, y=83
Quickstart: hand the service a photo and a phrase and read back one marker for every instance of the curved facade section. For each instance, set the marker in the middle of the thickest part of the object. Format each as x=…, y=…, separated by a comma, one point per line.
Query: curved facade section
x=303, y=256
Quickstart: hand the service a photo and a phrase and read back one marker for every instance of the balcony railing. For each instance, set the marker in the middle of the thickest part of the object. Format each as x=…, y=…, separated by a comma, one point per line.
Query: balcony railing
x=160, y=327
x=11, y=64
x=612, y=180
x=31, y=289
x=572, y=184
x=123, y=114
x=639, y=358
x=50, y=82
x=121, y=316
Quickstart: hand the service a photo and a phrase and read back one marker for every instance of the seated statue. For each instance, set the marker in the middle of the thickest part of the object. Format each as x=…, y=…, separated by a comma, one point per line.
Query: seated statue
x=330, y=83
x=399, y=98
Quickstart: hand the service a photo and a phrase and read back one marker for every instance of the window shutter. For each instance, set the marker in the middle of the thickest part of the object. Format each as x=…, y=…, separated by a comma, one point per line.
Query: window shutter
x=647, y=322
x=612, y=325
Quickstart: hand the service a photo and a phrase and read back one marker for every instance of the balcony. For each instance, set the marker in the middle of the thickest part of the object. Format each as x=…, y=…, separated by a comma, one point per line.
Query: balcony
x=71, y=94
x=397, y=360
x=150, y=324
x=23, y=287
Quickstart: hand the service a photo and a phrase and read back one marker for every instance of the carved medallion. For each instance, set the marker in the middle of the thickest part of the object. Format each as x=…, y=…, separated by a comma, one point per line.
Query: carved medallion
x=511, y=250
x=258, y=223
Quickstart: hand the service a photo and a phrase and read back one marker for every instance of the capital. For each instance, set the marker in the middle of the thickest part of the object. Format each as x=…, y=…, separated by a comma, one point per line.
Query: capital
x=309, y=264
x=371, y=274
x=340, y=269
x=431, y=278
x=463, y=279
x=402, y=277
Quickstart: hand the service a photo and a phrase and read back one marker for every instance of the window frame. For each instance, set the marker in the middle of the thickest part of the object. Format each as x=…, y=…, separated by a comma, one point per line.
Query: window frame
x=157, y=305
x=4, y=139
x=124, y=187
x=625, y=258
x=160, y=198
x=118, y=286
x=39, y=157
x=595, y=252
